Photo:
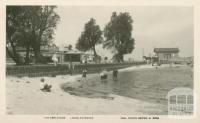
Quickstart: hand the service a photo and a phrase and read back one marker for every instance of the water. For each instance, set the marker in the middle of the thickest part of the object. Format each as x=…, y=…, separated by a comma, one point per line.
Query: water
x=151, y=85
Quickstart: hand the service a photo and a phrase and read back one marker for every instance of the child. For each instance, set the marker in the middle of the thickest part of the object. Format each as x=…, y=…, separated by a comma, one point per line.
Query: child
x=115, y=72
x=44, y=86
x=103, y=76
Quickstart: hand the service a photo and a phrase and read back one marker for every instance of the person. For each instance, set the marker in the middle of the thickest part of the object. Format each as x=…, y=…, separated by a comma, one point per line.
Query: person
x=55, y=59
x=103, y=76
x=84, y=75
x=44, y=86
x=115, y=73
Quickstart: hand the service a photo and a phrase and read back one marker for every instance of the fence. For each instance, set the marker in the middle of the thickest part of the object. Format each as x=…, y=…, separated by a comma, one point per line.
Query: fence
x=50, y=70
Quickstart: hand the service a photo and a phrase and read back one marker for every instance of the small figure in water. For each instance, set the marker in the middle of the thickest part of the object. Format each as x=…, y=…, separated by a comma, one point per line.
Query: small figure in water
x=115, y=73
x=83, y=79
x=44, y=86
x=104, y=76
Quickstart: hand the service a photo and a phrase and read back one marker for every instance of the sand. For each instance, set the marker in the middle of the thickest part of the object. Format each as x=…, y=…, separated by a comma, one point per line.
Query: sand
x=23, y=96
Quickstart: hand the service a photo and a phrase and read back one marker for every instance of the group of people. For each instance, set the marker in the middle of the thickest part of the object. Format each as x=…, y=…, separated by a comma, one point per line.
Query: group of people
x=44, y=86
x=103, y=75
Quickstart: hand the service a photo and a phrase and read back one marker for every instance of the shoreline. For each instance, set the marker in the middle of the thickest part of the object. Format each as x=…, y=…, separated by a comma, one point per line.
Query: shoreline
x=23, y=96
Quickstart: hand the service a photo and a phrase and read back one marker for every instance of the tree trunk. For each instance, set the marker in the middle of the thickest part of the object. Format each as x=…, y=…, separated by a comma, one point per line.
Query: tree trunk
x=15, y=57
x=27, y=59
x=38, y=57
x=119, y=57
x=95, y=54
x=13, y=53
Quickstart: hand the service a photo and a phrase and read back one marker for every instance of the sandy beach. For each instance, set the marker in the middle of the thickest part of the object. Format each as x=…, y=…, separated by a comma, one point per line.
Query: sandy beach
x=23, y=96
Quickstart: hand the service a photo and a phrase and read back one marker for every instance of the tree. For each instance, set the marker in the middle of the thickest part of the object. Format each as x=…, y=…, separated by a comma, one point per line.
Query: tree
x=44, y=21
x=118, y=35
x=29, y=27
x=91, y=36
x=14, y=34
x=70, y=47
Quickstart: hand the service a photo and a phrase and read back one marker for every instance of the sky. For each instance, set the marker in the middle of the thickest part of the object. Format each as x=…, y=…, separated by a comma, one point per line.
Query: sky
x=153, y=27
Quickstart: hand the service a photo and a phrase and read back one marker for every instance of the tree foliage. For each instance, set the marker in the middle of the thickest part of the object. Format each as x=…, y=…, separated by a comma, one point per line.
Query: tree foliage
x=91, y=36
x=29, y=27
x=13, y=16
x=118, y=35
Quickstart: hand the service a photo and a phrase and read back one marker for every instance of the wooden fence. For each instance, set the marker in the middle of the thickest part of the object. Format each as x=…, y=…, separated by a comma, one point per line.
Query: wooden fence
x=50, y=70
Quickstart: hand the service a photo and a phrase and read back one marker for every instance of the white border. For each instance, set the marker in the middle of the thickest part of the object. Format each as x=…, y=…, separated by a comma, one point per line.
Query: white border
x=98, y=118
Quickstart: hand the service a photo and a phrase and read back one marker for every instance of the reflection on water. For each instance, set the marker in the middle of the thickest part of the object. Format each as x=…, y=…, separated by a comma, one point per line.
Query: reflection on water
x=147, y=84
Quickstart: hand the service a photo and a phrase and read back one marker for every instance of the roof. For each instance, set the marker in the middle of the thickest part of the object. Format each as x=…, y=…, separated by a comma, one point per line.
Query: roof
x=180, y=91
x=166, y=50
x=46, y=48
x=88, y=54
x=73, y=52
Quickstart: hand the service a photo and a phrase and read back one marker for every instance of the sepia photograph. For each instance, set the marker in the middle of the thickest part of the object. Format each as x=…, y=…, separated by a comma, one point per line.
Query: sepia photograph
x=99, y=60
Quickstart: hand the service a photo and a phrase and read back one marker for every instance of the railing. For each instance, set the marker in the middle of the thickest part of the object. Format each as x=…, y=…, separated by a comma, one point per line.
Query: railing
x=49, y=70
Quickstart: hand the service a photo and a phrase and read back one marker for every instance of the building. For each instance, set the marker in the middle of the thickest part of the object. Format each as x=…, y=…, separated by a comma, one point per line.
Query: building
x=180, y=102
x=151, y=59
x=183, y=60
x=165, y=55
x=65, y=55
x=47, y=51
x=87, y=57
x=69, y=55
x=72, y=56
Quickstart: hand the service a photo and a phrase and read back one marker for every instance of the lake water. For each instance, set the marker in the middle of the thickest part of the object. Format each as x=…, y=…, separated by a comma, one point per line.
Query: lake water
x=151, y=85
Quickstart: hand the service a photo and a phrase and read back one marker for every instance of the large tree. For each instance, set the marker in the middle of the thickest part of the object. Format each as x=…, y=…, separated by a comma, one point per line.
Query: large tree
x=91, y=36
x=44, y=22
x=118, y=35
x=29, y=27
x=16, y=32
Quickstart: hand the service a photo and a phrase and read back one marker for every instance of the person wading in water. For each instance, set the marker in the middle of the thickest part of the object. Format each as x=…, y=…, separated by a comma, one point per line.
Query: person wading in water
x=84, y=75
x=115, y=73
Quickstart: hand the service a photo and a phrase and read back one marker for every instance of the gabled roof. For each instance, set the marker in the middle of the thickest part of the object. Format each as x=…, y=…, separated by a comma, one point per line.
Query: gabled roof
x=166, y=50
x=73, y=52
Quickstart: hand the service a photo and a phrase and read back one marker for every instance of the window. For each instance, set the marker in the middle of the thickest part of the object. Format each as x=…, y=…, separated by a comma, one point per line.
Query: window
x=189, y=99
x=167, y=56
x=181, y=99
x=172, y=99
